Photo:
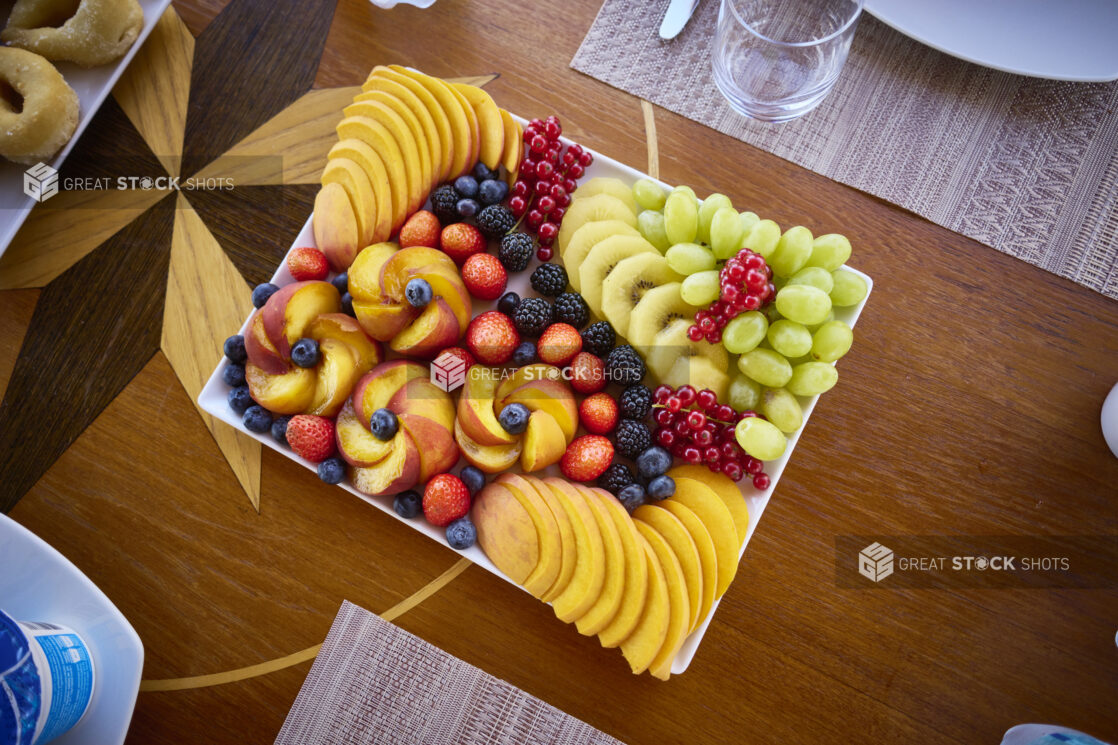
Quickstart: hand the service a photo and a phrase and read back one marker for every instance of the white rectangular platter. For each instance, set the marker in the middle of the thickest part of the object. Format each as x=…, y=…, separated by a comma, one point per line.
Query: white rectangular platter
x=213, y=400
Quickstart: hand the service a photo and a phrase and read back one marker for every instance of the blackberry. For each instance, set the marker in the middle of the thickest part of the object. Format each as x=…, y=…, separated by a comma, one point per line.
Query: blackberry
x=632, y=437
x=624, y=366
x=444, y=203
x=495, y=220
x=532, y=316
x=635, y=402
x=549, y=279
x=615, y=478
x=598, y=339
x=571, y=308
x=516, y=251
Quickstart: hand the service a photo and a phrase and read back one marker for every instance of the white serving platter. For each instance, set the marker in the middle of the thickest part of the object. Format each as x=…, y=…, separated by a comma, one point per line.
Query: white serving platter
x=92, y=85
x=213, y=400
x=40, y=584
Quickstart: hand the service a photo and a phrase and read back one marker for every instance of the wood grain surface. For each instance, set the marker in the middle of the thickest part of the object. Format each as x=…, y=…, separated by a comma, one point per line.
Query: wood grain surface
x=969, y=405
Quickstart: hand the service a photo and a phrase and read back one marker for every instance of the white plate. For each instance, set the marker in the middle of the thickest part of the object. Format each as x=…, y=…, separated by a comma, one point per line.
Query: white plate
x=92, y=86
x=40, y=584
x=213, y=400
x=1069, y=40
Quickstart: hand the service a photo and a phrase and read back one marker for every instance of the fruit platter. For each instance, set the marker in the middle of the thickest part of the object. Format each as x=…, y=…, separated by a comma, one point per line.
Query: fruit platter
x=585, y=380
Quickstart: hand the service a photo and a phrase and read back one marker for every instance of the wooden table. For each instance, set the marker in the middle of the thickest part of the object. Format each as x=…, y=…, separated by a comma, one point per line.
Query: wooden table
x=969, y=406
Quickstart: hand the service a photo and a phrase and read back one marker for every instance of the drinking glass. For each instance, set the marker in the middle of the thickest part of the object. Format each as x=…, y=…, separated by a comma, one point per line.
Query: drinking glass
x=775, y=60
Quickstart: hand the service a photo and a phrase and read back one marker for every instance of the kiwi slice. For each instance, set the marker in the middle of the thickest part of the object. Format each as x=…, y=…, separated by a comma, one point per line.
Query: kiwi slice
x=584, y=239
x=601, y=260
x=592, y=209
x=628, y=282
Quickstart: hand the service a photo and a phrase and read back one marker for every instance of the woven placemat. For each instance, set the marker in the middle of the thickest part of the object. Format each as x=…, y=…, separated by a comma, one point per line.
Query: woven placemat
x=1027, y=166
x=376, y=683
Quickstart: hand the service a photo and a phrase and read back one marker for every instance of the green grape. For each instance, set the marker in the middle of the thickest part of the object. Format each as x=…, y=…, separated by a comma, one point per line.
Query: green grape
x=688, y=258
x=763, y=237
x=782, y=409
x=681, y=216
x=650, y=223
x=803, y=304
x=726, y=233
x=745, y=394
x=767, y=367
x=816, y=276
x=849, y=288
x=760, y=438
x=829, y=251
x=649, y=194
x=745, y=332
x=811, y=378
x=707, y=210
x=792, y=252
x=748, y=220
x=831, y=341
x=816, y=326
x=700, y=288
x=687, y=190
x=789, y=338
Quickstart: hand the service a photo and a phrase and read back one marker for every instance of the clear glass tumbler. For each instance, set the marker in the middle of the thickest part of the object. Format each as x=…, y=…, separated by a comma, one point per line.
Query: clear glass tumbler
x=775, y=60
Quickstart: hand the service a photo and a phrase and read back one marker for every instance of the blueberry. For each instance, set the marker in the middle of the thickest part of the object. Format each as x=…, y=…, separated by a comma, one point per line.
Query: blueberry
x=341, y=282
x=347, y=304
x=257, y=419
x=514, y=418
x=461, y=534
x=332, y=470
x=467, y=207
x=466, y=186
x=407, y=504
x=524, y=354
x=492, y=192
x=473, y=478
x=418, y=292
x=632, y=496
x=233, y=375
x=383, y=424
x=235, y=349
x=661, y=487
x=262, y=292
x=240, y=399
x=483, y=172
x=653, y=462
x=304, y=352
x=508, y=302
x=279, y=429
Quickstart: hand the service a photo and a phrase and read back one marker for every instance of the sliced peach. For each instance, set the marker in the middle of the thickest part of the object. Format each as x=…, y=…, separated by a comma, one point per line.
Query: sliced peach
x=376, y=136
x=553, y=397
x=475, y=408
x=473, y=130
x=383, y=322
x=395, y=114
x=289, y=312
x=289, y=393
x=261, y=351
x=375, y=172
x=377, y=85
x=491, y=131
x=446, y=283
x=544, y=442
x=547, y=533
x=377, y=387
x=336, y=232
x=489, y=458
x=434, y=330
x=525, y=375
x=356, y=443
x=335, y=375
x=506, y=532
x=359, y=188
x=438, y=452
x=421, y=397
x=434, y=108
x=396, y=473
x=514, y=144
x=367, y=352
x=364, y=274
x=407, y=263
x=590, y=566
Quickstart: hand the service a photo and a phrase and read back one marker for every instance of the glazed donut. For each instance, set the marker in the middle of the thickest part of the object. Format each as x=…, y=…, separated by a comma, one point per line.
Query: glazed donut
x=97, y=32
x=38, y=109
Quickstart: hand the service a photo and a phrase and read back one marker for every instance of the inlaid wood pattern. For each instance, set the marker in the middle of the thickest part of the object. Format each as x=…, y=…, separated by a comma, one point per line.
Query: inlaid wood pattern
x=153, y=91
x=16, y=309
x=207, y=300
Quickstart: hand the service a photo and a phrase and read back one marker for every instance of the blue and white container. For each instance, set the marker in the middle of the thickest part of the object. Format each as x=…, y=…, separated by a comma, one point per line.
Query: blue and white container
x=46, y=681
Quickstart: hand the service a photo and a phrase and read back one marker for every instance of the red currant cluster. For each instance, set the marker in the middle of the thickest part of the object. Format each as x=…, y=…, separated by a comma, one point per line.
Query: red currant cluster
x=705, y=433
x=548, y=174
x=746, y=284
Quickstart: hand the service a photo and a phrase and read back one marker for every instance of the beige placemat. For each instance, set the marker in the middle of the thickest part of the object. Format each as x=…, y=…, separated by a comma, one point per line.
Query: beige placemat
x=376, y=683
x=1027, y=166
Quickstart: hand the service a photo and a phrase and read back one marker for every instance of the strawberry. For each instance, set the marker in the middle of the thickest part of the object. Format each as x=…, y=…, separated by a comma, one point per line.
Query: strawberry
x=460, y=353
x=598, y=413
x=460, y=241
x=492, y=337
x=311, y=437
x=307, y=263
x=484, y=276
x=559, y=343
x=421, y=229
x=587, y=458
x=445, y=500
x=588, y=373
